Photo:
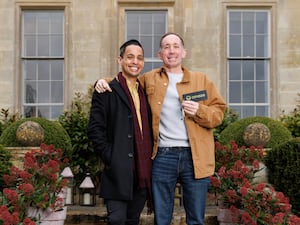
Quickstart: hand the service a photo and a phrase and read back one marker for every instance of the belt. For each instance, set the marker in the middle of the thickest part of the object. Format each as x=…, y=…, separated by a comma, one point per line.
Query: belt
x=177, y=148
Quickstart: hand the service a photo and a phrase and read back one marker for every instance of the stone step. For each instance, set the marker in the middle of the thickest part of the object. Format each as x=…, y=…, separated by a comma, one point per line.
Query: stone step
x=85, y=215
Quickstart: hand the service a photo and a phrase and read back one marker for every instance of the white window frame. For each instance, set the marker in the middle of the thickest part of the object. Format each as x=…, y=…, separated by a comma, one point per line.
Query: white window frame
x=43, y=108
x=267, y=58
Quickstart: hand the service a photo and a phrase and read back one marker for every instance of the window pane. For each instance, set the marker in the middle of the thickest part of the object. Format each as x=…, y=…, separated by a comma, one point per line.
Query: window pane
x=56, y=23
x=235, y=70
x=44, y=111
x=30, y=92
x=262, y=110
x=29, y=46
x=262, y=46
x=261, y=23
x=248, y=111
x=43, y=92
x=248, y=23
x=43, y=46
x=146, y=22
x=235, y=25
x=57, y=70
x=29, y=23
x=30, y=111
x=147, y=67
x=237, y=109
x=57, y=45
x=235, y=46
x=261, y=70
x=248, y=70
x=43, y=23
x=56, y=111
x=159, y=23
x=156, y=45
x=147, y=44
x=235, y=92
x=30, y=70
x=132, y=24
x=43, y=70
x=56, y=91
x=261, y=92
x=248, y=92
x=248, y=46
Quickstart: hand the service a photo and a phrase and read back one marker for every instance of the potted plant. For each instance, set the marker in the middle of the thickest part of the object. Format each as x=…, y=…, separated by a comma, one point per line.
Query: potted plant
x=235, y=167
x=262, y=204
x=35, y=190
x=239, y=199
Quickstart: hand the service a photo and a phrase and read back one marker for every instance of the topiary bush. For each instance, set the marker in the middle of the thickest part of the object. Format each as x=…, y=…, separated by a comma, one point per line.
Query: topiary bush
x=292, y=121
x=230, y=116
x=54, y=134
x=5, y=164
x=7, y=118
x=235, y=131
x=283, y=163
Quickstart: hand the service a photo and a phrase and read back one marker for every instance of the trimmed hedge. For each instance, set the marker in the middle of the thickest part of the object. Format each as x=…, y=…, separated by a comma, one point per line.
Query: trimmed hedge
x=283, y=163
x=5, y=164
x=235, y=131
x=55, y=134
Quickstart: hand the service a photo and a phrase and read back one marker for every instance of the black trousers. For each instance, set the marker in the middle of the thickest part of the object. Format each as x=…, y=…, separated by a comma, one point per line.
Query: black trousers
x=126, y=212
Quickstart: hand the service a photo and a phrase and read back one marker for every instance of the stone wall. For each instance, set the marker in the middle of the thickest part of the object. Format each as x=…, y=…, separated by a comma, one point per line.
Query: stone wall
x=95, y=29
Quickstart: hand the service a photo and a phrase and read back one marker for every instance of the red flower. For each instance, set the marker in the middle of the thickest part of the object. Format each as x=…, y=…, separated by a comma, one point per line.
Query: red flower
x=233, y=184
x=28, y=221
x=26, y=189
x=37, y=185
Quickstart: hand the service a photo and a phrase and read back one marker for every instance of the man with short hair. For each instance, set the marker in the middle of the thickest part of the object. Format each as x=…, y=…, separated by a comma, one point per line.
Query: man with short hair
x=120, y=130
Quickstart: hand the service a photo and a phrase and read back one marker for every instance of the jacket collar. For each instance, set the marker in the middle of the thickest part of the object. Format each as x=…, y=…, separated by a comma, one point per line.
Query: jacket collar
x=186, y=74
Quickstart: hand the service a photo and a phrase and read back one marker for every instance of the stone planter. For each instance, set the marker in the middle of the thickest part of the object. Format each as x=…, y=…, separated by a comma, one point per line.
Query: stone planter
x=226, y=217
x=48, y=217
x=18, y=154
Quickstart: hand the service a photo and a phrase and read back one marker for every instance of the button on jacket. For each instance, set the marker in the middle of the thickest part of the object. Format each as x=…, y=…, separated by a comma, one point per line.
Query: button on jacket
x=200, y=127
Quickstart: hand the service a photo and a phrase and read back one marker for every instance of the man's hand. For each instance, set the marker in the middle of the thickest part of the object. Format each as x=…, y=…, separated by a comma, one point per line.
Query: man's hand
x=102, y=86
x=190, y=107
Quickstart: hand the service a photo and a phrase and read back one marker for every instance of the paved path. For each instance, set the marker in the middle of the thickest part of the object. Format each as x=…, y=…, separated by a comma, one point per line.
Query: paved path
x=85, y=215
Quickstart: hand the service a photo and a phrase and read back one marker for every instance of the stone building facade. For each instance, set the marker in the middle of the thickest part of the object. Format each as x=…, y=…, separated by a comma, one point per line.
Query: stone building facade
x=51, y=49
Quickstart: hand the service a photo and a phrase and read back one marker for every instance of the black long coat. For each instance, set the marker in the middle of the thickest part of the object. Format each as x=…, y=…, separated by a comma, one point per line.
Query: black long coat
x=111, y=131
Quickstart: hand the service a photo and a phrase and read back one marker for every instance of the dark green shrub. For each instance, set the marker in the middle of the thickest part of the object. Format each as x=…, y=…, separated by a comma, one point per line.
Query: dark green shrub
x=75, y=122
x=292, y=120
x=54, y=134
x=4, y=165
x=283, y=163
x=234, y=131
x=230, y=116
x=7, y=119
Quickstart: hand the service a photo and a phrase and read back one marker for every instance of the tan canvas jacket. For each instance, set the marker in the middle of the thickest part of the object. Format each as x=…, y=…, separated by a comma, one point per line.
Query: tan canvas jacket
x=210, y=114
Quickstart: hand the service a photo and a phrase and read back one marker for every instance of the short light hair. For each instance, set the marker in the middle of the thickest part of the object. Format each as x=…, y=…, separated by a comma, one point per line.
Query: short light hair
x=170, y=33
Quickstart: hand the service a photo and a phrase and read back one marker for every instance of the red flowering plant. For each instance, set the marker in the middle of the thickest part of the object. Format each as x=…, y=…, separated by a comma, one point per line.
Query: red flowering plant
x=263, y=205
x=250, y=203
x=235, y=168
x=39, y=185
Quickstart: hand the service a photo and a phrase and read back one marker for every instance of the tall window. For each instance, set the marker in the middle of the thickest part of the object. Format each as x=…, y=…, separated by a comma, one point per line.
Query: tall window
x=249, y=62
x=43, y=63
x=147, y=27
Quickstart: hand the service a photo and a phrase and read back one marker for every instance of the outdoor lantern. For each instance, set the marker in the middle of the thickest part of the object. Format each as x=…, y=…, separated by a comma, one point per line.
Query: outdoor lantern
x=67, y=173
x=87, y=195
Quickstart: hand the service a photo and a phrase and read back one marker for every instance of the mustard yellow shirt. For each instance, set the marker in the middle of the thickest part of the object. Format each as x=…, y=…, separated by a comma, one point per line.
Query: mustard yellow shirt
x=133, y=88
